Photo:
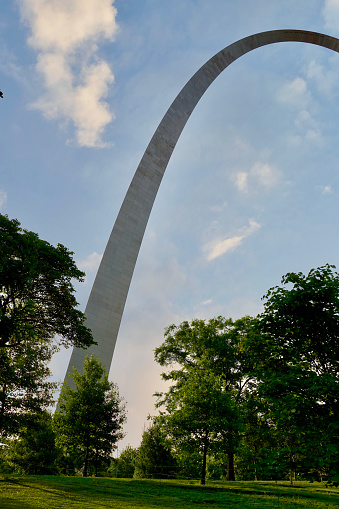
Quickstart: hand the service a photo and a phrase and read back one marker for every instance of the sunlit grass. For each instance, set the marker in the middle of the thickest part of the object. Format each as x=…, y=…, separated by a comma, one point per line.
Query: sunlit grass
x=49, y=492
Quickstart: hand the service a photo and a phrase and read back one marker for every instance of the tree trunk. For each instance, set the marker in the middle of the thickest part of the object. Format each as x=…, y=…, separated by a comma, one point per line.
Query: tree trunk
x=255, y=471
x=230, y=467
x=291, y=470
x=204, y=461
x=2, y=408
x=96, y=463
x=86, y=462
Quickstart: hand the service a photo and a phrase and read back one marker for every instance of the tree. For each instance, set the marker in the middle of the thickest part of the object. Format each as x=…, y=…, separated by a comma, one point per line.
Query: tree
x=124, y=465
x=201, y=417
x=209, y=366
x=37, y=304
x=24, y=385
x=36, y=295
x=154, y=458
x=90, y=417
x=34, y=451
x=297, y=365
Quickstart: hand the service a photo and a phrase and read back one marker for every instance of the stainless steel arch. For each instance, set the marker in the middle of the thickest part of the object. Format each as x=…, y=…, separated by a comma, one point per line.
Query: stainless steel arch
x=108, y=296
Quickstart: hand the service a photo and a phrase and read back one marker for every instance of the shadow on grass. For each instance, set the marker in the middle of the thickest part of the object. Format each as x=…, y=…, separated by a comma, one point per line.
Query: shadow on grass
x=125, y=493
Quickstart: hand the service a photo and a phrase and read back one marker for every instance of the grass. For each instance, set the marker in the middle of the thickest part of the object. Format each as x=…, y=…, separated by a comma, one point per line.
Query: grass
x=49, y=492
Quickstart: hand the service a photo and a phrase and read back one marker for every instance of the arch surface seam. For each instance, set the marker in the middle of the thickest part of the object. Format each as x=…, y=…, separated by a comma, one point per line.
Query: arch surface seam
x=107, y=299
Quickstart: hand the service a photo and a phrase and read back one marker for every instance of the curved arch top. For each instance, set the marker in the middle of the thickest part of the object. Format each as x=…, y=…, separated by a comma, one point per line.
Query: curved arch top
x=109, y=292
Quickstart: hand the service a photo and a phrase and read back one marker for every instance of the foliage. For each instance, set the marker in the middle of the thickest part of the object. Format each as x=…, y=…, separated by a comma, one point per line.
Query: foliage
x=297, y=365
x=124, y=465
x=189, y=464
x=210, y=385
x=37, y=303
x=24, y=385
x=36, y=296
x=274, y=378
x=34, y=451
x=90, y=417
x=202, y=417
x=154, y=458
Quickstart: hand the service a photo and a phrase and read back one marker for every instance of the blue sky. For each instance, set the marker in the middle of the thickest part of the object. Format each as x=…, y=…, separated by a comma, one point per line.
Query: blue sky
x=251, y=190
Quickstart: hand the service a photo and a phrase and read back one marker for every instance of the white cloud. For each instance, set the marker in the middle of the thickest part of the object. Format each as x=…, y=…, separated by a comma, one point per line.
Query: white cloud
x=91, y=263
x=241, y=181
x=260, y=175
x=327, y=190
x=325, y=78
x=294, y=93
x=206, y=302
x=331, y=14
x=3, y=198
x=218, y=246
x=65, y=34
x=265, y=174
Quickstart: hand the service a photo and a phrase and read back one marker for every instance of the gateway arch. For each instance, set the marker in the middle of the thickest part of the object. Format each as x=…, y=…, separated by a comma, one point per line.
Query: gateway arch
x=109, y=292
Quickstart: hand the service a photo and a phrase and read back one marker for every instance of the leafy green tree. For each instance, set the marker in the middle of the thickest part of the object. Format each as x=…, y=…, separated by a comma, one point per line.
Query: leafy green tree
x=297, y=364
x=210, y=352
x=36, y=294
x=90, y=417
x=154, y=458
x=201, y=416
x=189, y=463
x=124, y=465
x=24, y=385
x=34, y=451
x=37, y=304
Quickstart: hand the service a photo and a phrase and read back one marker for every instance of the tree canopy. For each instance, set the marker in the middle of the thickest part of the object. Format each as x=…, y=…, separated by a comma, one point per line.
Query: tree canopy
x=210, y=382
x=90, y=417
x=296, y=353
x=24, y=385
x=36, y=294
x=263, y=390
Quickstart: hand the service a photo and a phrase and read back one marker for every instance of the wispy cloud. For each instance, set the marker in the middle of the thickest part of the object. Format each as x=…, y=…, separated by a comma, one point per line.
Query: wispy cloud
x=266, y=175
x=296, y=94
x=327, y=190
x=66, y=34
x=206, y=302
x=324, y=77
x=241, y=181
x=91, y=263
x=260, y=175
x=220, y=246
x=3, y=198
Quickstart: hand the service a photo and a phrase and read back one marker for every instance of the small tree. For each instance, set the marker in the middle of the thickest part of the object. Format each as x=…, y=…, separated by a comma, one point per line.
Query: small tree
x=154, y=458
x=124, y=465
x=201, y=417
x=34, y=451
x=24, y=385
x=208, y=364
x=90, y=418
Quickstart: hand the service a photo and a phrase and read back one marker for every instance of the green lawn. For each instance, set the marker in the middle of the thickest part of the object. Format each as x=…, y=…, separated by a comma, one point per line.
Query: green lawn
x=49, y=492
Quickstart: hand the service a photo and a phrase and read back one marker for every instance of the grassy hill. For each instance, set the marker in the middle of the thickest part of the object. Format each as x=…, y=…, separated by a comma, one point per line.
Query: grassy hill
x=49, y=492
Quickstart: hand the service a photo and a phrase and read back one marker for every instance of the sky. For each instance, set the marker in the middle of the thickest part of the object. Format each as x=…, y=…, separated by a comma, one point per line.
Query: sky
x=250, y=193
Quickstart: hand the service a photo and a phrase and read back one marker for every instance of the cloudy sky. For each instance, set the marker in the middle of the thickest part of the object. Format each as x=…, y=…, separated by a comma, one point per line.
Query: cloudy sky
x=251, y=191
